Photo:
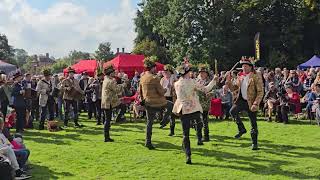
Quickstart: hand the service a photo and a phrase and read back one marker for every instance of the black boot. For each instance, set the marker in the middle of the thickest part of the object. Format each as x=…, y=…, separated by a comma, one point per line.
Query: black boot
x=254, y=137
x=107, y=137
x=188, y=160
x=242, y=130
x=150, y=146
x=171, y=131
x=206, y=138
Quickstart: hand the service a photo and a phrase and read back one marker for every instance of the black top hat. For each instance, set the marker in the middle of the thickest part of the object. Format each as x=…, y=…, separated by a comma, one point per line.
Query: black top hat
x=71, y=70
x=16, y=75
x=108, y=70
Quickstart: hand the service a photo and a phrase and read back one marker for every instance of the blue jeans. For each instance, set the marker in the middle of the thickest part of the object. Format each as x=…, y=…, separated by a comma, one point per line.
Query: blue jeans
x=22, y=156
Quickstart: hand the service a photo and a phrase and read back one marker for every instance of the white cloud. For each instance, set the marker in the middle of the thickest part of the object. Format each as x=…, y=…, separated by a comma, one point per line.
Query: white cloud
x=64, y=27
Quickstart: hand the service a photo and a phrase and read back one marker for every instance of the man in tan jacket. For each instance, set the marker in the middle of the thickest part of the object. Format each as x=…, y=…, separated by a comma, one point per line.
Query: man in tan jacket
x=152, y=94
x=71, y=93
x=110, y=99
x=46, y=101
x=249, y=87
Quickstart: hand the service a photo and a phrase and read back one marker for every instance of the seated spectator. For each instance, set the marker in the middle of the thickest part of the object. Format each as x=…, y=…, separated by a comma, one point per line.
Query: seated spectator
x=308, y=82
x=310, y=99
x=226, y=100
x=290, y=101
x=6, y=150
x=271, y=100
x=20, y=150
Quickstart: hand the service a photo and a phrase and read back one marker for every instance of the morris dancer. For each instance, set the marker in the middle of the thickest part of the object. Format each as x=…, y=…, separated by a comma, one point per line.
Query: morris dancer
x=249, y=87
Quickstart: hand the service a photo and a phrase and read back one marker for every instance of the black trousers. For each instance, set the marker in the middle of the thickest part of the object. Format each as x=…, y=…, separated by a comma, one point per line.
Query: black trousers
x=242, y=105
x=151, y=116
x=186, y=124
x=283, y=111
x=48, y=108
x=21, y=118
x=226, y=110
x=4, y=109
x=107, y=124
x=205, y=117
x=91, y=107
x=68, y=104
x=99, y=113
x=172, y=117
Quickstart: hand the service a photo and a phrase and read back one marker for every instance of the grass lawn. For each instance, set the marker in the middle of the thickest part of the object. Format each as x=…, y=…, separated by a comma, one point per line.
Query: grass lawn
x=286, y=152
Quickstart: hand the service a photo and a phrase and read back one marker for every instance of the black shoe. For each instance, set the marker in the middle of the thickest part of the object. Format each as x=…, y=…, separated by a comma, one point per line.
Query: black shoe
x=200, y=143
x=205, y=139
x=269, y=119
x=99, y=123
x=255, y=147
x=150, y=146
x=188, y=160
x=78, y=125
x=162, y=126
x=237, y=136
x=171, y=134
x=108, y=140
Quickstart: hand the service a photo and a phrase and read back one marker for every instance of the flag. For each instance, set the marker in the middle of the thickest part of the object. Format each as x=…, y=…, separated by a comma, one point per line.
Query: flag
x=257, y=46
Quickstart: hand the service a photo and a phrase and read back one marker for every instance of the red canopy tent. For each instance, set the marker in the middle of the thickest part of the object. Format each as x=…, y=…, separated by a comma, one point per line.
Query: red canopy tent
x=90, y=66
x=129, y=63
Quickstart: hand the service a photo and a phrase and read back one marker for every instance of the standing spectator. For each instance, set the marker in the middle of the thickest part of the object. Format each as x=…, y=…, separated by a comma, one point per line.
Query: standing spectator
x=97, y=84
x=82, y=105
x=71, y=93
x=35, y=102
x=46, y=101
x=19, y=102
x=28, y=95
x=135, y=81
x=60, y=101
x=91, y=106
x=5, y=93
x=226, y=100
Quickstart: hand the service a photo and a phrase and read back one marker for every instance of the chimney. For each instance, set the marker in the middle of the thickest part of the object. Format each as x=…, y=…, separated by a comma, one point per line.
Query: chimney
x=118, y=50
x=47, y=55
x=122, y=50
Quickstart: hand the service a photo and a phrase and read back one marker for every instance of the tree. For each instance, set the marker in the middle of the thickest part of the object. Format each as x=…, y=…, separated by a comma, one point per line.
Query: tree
x=59, y=66
x=20, y=56
x=6, y=51
x=151, y=48
x=75, y=56
x=104, y=53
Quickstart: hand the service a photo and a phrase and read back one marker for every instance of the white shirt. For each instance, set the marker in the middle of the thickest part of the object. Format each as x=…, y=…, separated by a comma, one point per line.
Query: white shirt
x=244, y=86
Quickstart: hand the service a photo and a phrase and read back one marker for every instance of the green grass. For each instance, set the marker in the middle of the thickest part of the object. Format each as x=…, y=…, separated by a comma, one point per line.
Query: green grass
x=286, y=152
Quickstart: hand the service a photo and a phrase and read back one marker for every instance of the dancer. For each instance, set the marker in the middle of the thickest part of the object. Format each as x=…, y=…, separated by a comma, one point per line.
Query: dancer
x=187, y=105
x=249, y=88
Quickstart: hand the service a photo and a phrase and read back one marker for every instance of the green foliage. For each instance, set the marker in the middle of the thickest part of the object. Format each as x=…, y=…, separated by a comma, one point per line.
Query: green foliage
x=224, y=30
x=75, y=56
x=59, y=66
x=286, y=152
x=104, y=53
x=151, y=48
x=6, y=51
x=20, y=56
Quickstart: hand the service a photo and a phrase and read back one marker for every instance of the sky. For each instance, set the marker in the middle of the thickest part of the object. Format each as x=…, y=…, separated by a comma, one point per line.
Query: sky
x=59, y=26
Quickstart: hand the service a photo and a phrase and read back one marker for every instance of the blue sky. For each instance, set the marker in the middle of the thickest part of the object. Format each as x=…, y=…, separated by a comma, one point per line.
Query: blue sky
x=59, y=26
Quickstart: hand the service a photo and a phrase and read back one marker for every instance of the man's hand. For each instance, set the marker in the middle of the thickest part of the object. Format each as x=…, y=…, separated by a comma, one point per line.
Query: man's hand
x=254, y=108
x=228, y=76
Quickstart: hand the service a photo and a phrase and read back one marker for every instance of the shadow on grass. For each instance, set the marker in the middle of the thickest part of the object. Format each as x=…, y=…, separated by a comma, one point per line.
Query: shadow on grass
x=44, y=173
x=50, y=137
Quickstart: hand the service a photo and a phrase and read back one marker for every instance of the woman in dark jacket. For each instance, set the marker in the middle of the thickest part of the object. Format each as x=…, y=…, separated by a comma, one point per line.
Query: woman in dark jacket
x=4, y=95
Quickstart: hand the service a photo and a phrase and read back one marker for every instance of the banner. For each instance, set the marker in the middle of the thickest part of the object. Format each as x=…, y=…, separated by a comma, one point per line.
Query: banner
x=257, y=46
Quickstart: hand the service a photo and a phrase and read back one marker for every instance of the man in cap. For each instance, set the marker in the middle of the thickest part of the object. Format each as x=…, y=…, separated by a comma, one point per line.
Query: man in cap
x=152, y=94
x=204, y=79
x=19, y=102
x=71, y=92
x=109, y=99
x=249, y=87
x=46, y=101
x=167, y=83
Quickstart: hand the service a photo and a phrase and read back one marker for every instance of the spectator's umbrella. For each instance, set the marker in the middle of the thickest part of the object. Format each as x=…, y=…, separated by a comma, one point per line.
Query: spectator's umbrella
x=7, y=68
x=313, y=62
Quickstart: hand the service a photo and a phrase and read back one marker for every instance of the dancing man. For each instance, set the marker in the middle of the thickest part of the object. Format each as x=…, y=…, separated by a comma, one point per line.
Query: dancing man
x=249, y=88
x=187, y=105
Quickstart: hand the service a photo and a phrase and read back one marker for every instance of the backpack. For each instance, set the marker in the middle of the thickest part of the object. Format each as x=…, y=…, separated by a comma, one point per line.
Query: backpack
x=5, y=169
